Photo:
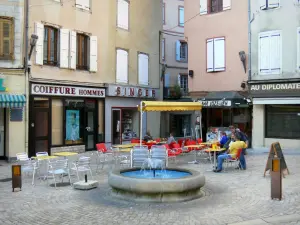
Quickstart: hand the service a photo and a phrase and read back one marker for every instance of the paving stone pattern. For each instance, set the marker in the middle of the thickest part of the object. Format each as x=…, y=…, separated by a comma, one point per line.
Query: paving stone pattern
x=231, y=197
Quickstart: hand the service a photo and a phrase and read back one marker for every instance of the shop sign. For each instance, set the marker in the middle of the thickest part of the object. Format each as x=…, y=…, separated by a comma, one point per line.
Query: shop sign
x=57, y=90
x=275, y=90
x=216, y=103
x=137, y=92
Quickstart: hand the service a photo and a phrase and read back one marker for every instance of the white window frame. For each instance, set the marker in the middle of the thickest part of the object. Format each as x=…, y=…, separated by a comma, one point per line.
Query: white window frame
x=123, y=68
x=163, y=49
x=164, y=13
x=83, y=4
x=211, y=57
x=182, y=83
x=180, y=17
x=143, y=73
x=120, y=21
x=178, y=44
x=269, y=70
x=268, y=4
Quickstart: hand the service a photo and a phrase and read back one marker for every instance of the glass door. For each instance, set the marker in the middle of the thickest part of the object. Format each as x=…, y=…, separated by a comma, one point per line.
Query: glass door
x=39, y=126
x=90, y=124
x=116, y=126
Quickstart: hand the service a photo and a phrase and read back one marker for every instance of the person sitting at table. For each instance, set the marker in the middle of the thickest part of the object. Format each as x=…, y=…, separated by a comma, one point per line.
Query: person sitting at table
x=148, y=136
x=223, y=140
x=232, y=152
x=171, y=139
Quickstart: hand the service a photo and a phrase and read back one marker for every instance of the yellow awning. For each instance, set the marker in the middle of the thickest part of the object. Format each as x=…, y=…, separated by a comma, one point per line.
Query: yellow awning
x=149, y=106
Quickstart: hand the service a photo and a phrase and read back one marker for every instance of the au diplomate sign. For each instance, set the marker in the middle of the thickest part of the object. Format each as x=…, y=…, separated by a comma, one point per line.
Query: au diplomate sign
x=58, y=90
x=275, y=90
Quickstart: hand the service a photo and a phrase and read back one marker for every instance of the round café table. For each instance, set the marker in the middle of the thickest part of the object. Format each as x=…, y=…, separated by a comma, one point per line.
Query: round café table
x=215, y=153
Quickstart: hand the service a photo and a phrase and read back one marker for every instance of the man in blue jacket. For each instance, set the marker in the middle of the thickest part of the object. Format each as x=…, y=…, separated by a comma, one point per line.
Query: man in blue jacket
x=243, y=137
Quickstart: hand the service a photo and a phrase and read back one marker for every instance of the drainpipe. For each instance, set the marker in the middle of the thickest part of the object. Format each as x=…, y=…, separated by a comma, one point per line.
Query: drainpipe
x=26, y=5
x=249, y=40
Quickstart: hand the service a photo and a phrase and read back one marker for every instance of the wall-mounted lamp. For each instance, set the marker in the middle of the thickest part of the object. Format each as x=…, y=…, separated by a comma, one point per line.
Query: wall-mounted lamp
x=33, y=41
x=243, y=85
x=191, y=73
x=242, y=55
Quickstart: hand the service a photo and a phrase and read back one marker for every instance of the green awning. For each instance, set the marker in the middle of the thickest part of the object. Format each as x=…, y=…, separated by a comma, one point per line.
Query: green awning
x=12, y=101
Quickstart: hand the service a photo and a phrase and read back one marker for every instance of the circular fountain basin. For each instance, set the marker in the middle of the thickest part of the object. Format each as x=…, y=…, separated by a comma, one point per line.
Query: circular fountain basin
x=171, y=185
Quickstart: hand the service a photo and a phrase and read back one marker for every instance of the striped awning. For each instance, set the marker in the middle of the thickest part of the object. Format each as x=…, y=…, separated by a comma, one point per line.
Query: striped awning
x=12, y=101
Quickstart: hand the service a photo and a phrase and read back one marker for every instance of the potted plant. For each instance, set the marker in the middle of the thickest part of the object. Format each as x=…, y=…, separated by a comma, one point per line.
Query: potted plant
x=175, y=92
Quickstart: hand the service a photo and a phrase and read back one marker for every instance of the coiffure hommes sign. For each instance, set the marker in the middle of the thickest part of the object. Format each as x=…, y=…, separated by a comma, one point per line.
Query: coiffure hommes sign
x=57, y=90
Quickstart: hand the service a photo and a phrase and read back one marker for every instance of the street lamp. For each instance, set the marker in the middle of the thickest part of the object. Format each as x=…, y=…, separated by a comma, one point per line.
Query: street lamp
x=33, y=40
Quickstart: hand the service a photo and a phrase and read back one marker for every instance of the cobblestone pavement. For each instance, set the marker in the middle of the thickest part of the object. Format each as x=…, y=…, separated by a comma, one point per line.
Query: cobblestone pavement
x=230, y=197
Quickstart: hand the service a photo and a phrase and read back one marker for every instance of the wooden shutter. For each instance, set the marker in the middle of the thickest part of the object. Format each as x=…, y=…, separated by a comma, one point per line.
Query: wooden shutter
x=7, y=38
x=167, y=80
x=122, y=66
x=143, y=69
x=275, y=53
x=210, y=55
x=219, y=54
x=226, y=4
x=263, y=4
x=264, y=53
x=123, y=14
x=203, y=7
x=273, y=3
x=64, y=48
x=298, y=48
x=177, y=49
x=93, y=54
x=73, y=50
x=39, y=48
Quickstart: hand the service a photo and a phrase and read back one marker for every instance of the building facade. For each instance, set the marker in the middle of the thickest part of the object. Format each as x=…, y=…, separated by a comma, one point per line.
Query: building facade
x=218, y=61
x=174, y=59
x=83, y=48
x=275, y=74
x=12, y=79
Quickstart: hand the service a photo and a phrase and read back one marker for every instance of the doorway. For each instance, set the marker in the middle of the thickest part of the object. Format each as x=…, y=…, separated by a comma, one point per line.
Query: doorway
x=39, y=126
x=90, y=124
x=116, y=126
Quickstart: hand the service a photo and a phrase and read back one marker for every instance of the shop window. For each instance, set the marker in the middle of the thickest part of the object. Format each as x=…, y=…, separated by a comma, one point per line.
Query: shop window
x=130, y=124
x=74, y=121
x=57, y=122
x=283, y=121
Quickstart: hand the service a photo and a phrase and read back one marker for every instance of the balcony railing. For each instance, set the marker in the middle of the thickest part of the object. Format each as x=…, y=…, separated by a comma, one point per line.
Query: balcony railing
x=169, y=94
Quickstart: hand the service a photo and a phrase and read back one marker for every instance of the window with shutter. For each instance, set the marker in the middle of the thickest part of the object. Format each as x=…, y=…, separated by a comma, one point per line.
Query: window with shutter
x=50, y=46
x=164, y=13
x=215, y=48
x=143, y=66
x=72, y=50
x=214, y=6
x=181, y=51
x=82, y=52
x=269, y=4
x=122, y=66
x=184, y=84
x=181, y=16
x=167, y=80
x=93, y=53
x=64, y=48
x=39, y=47
x=123, y=14
x=270, y=53
x=6, y=38
x=203, y=7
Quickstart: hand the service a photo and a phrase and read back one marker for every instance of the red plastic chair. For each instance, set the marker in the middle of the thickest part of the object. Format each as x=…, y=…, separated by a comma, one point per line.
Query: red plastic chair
x=135, y=141
x=180, y=142
x=157, y=140
x=199, y=140
x=101, y=147
x=177, y=149
x=235, y=159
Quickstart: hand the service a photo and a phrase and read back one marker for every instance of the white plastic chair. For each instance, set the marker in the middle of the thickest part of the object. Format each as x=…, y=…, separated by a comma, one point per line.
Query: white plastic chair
x=82, y=165
x=138, y=155
x=41, y=154
x=58, y=167
x=159, y=152
x=27, y=165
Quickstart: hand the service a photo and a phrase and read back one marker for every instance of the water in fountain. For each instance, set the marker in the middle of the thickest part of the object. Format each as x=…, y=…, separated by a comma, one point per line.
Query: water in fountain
x=156, y=166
